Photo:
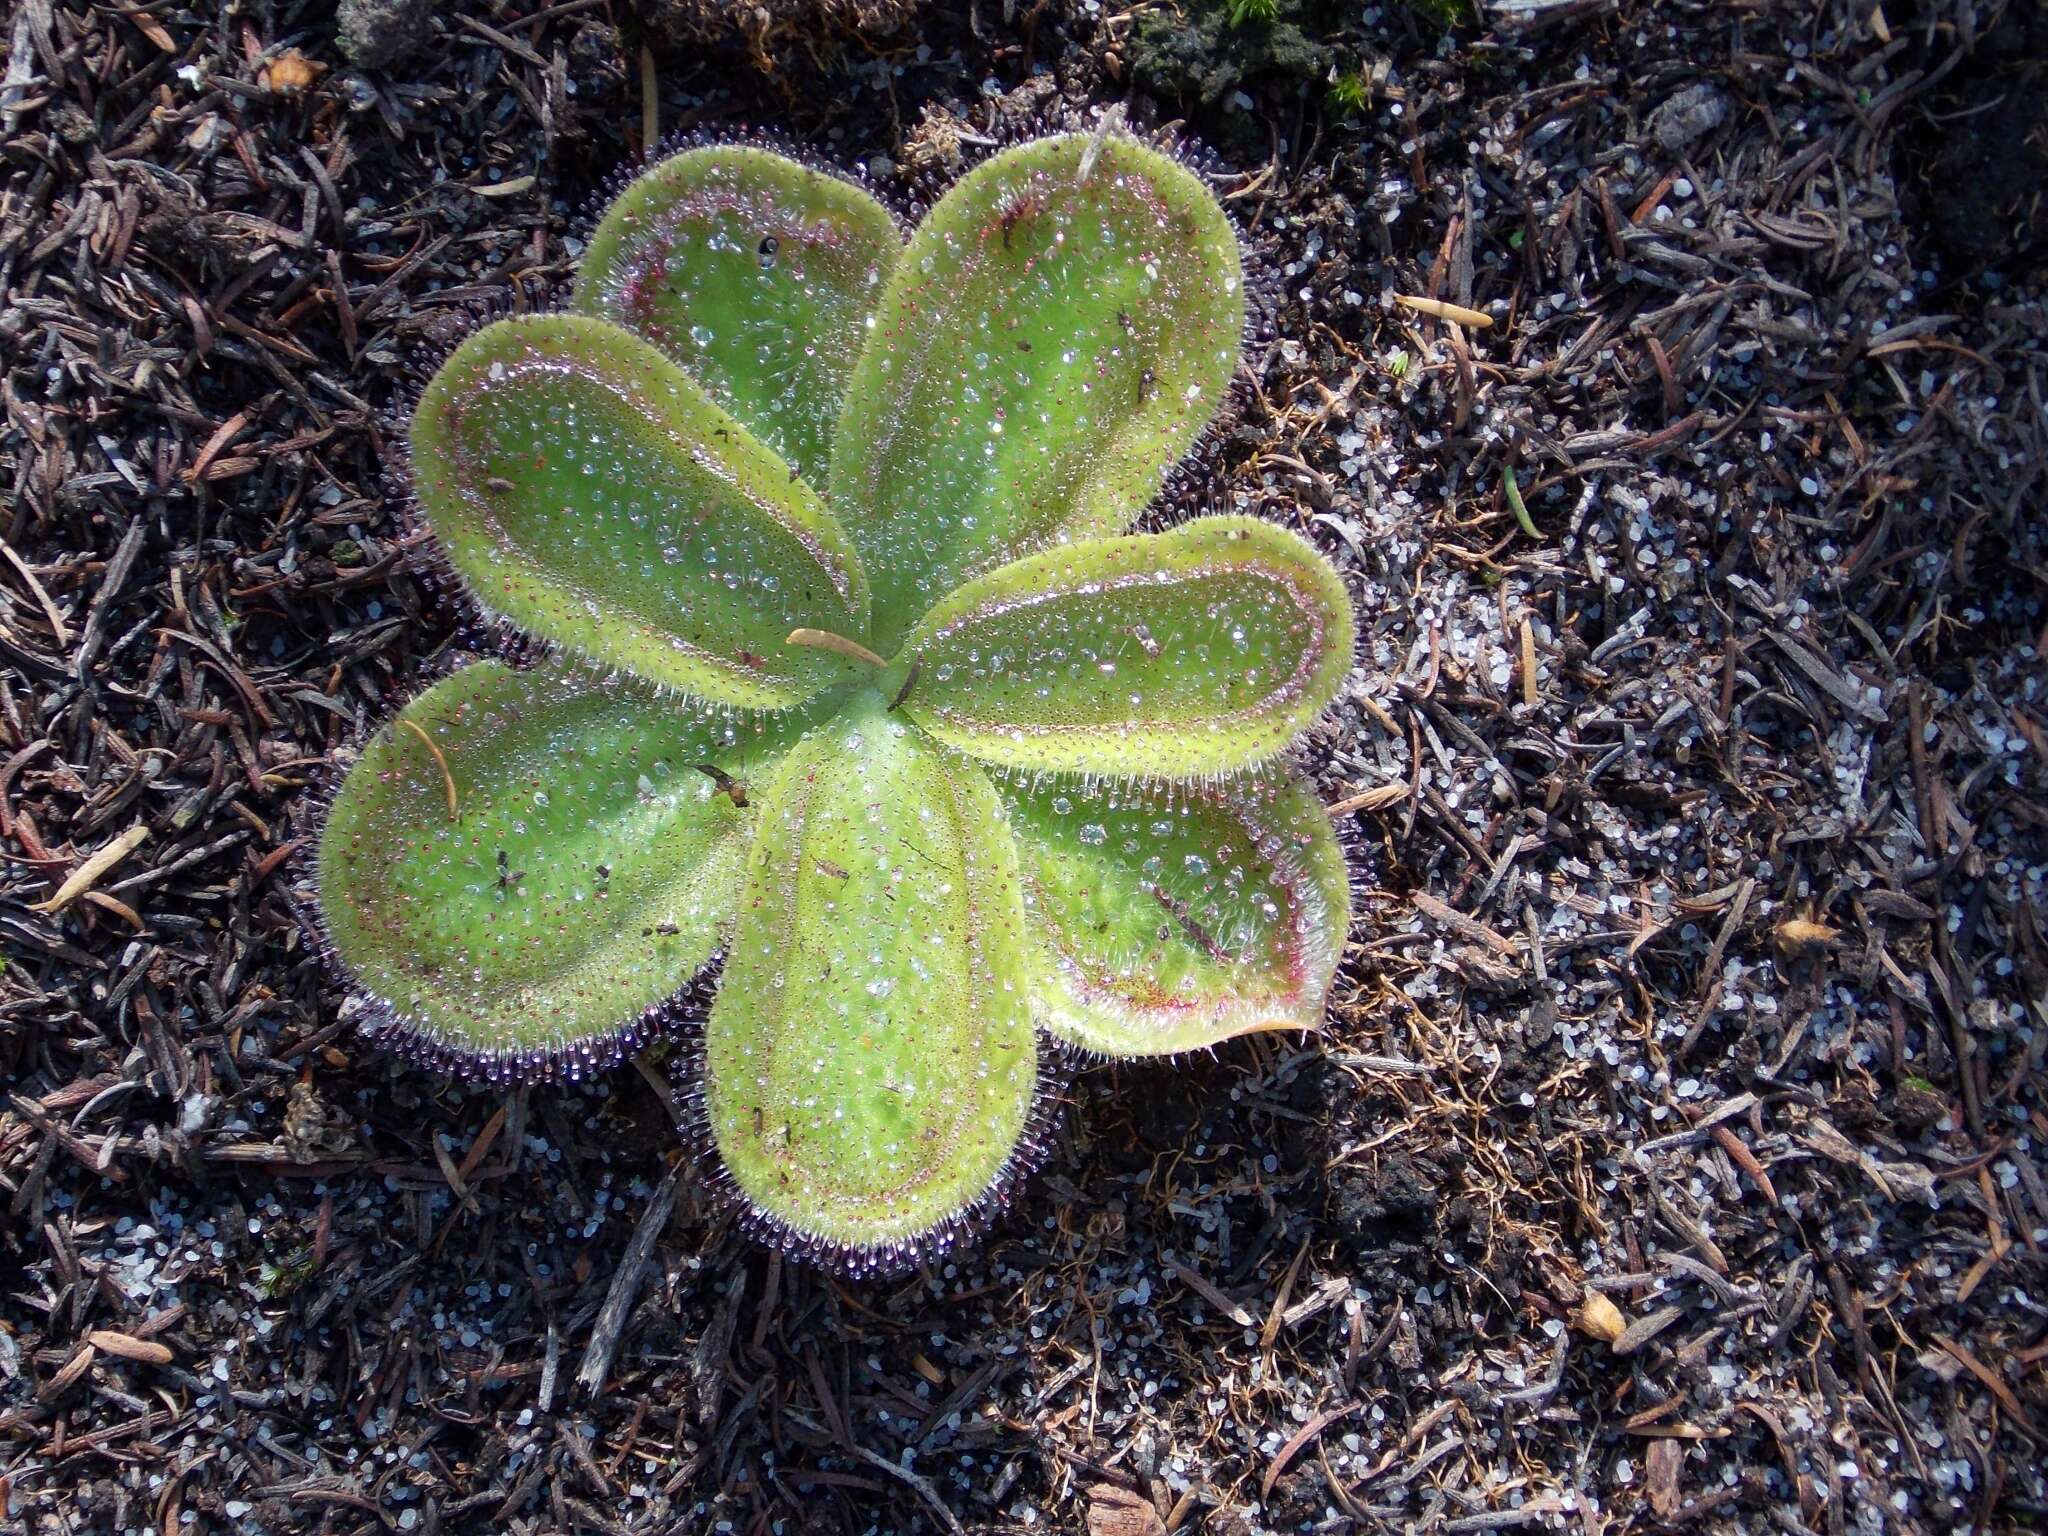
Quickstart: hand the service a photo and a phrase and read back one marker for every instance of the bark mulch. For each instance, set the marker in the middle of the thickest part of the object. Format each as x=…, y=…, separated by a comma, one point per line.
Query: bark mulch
x=1673, y=1157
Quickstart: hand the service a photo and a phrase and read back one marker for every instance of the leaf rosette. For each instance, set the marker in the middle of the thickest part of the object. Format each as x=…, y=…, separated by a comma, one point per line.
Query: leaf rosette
x=853, y=674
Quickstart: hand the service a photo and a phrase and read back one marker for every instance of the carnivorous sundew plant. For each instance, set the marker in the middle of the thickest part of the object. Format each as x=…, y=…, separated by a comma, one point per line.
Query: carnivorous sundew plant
x=852, y=673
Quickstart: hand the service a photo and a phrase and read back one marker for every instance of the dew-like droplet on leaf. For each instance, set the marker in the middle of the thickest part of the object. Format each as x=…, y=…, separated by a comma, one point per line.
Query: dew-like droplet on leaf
x=1048, y=347
x=870, y=1061
x=1165, y=918
x=1199, y=651
x=757, y=275
x=582, y=878
x=587, y=490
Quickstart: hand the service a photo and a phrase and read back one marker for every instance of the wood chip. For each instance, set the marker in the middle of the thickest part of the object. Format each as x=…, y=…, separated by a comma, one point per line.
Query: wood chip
x=625, y=1287
x=1744, y=1159
x=83, y=878
x=1376, y=798
x=1663, y=1459
x=1644, y=1329
x=1477, y=319
x=1992, y=1384
x=58, y=631
x=68, y=1374
x=1320, y=1300
x=510, y=187
x=1114, y=1511
x=1301, y=1437
x=1850, y=695
x=1235, y=1311
x=1442, y=912
x=128, y=1347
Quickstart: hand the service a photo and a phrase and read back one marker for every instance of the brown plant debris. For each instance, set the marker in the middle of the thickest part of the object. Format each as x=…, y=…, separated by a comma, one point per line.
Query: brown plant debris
x=1672, y=1157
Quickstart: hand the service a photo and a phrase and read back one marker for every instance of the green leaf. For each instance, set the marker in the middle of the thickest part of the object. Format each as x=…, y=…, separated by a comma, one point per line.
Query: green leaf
x=1047, y=348
x=580, y=878
x=870, y=1060
x=1168, y=918
x=757, y=275
x=589, y=492
x=1170, y=655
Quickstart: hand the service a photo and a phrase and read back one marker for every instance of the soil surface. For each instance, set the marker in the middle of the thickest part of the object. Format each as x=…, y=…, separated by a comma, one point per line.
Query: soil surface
x=1672, y=1159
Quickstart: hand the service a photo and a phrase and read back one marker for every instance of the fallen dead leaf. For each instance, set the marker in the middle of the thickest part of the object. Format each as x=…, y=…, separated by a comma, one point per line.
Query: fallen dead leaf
x=1114, y=1511
x=1599, y=1318
x=128, y=1347
x=291, y=73
x=1797, y=936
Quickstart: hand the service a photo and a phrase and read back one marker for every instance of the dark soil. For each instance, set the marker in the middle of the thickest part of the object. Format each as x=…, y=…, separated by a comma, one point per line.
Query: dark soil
x=1984, y=142
x=1672, y=1159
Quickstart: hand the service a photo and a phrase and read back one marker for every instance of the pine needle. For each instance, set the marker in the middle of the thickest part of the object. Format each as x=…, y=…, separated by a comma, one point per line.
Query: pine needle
x=447, y=778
